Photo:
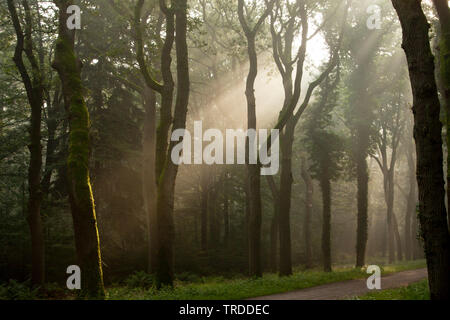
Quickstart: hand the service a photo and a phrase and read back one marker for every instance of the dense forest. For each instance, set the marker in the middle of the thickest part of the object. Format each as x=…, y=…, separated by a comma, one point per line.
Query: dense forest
x=126, y=143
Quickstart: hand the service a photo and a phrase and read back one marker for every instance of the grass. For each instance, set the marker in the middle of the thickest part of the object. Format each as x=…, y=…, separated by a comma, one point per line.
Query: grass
x=219, y=288
x=415, y=291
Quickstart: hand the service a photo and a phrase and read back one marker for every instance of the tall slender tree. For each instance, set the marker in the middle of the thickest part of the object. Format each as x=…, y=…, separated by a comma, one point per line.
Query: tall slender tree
x=326, y=150
x=283, y=31
x=253, y=170
x=427, y=133
x=166, y=170
x=81, y=198
x=33, y=81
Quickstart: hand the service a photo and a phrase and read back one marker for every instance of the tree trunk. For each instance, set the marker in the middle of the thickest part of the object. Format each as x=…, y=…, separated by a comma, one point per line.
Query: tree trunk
x=284, y=226
x=308, y=215
x=444, y=66
x=214, y=223
x=362, y=224
x=149, y=175
x=253, y=170
x=53, y=120
x=398, y=238
x=274, y=224
x=80, y=191
x=409, y=237
x=204, y=211
x=35, y=93
x=414, y=245
x=389, y=197
x=35, y=199
x=274, y=239
x=325, y=185
x=428, y=135
x=226, y=213
x=166, y=186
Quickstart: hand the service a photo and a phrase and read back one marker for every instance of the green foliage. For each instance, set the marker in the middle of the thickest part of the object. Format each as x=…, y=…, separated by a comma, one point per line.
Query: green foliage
x=324, y=145
x=416, y=291
x=242, y=288
x=140, y=279
x=189, y=277
x=17, y=291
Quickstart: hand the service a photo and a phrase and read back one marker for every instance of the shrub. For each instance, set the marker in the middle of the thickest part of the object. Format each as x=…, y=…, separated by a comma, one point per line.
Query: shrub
x=140, y=279
x=17, y=291
x=189, y=277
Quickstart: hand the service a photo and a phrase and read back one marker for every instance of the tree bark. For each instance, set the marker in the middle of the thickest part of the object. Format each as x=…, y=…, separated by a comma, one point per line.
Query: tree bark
x=427, y=133
x=444, y=66
x=80, y=191
x=166, y=186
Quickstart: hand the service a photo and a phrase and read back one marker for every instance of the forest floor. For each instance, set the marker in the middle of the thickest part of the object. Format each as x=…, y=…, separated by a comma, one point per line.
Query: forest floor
x=350, y=288
x=218, y=288
x=343, y=283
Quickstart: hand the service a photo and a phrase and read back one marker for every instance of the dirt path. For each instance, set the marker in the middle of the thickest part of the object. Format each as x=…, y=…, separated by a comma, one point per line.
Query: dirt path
x=351, y=288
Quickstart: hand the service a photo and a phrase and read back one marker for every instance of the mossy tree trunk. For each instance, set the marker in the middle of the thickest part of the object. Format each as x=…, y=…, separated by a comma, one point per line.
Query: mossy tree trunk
x=428, y=136
x=34, y=87
x=80, y=191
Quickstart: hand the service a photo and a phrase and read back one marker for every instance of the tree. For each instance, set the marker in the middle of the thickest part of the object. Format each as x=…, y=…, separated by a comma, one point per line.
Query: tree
x=283, y=34
x=166, y=170
x=359, y=115
x=443, y=12
x=389, y=126
x=427, y=133
x=80, y=191
x=34, y=86
x=410, y=236
x=253, y=170
x=308, y=214
x=326, y=151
